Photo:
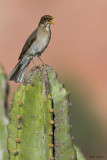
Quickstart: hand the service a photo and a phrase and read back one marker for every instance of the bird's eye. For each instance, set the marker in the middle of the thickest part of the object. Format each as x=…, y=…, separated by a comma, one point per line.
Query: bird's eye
x=44, y=18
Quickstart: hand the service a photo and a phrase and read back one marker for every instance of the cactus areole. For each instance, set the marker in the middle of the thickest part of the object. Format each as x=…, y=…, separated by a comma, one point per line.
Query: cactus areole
x=39, y=126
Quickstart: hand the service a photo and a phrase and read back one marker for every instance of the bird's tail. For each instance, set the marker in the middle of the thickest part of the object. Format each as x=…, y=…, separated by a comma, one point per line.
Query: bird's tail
x=19, y=71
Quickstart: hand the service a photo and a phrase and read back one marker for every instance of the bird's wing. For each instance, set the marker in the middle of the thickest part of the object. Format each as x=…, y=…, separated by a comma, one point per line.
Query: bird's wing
x=28, y=43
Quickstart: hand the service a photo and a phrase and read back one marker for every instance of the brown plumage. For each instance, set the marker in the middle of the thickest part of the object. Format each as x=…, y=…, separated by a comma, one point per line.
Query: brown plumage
x=35, y=45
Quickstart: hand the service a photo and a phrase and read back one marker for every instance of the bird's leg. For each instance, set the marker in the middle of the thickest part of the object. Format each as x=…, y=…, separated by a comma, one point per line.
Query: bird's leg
x=41, y=60
x=34, y=65
x=31, y=57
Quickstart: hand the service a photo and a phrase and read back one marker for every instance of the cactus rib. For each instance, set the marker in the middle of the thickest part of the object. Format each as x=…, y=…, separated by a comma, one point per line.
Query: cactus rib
x=42, y=130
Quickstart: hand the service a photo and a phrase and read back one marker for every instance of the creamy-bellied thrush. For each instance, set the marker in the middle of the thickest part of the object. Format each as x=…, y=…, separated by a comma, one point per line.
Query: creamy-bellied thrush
x=35, y=45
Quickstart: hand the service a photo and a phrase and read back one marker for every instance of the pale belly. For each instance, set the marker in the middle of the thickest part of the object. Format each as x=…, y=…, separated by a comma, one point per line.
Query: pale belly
x=39, y=45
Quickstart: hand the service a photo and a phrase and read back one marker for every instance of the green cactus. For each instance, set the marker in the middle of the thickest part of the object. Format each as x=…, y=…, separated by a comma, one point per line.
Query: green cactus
x=80, y=155
x=39, y=125
x=3, y=119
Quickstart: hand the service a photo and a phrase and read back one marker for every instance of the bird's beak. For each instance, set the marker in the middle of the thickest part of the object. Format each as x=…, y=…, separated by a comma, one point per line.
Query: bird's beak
x=50, y=20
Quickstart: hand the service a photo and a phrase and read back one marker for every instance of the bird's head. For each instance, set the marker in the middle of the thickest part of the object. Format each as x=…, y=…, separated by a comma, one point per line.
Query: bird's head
x=46, y=20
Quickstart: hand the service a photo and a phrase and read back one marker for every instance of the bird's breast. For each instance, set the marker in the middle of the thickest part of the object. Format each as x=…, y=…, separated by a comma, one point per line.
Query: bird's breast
x=40, y=43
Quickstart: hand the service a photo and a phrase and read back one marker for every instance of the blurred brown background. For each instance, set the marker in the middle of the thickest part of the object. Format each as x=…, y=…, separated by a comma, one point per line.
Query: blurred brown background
x=77, y=51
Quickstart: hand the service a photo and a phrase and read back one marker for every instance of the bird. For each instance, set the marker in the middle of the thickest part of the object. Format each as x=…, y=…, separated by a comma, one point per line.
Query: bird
x=35, y=45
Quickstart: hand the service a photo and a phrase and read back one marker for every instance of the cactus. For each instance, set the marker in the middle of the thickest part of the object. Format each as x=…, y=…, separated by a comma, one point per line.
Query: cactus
x=80, y=155
x=3, y=119
x=39, y=125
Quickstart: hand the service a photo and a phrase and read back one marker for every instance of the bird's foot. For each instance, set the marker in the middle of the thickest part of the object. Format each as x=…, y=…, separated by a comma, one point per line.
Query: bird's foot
x=43, y=66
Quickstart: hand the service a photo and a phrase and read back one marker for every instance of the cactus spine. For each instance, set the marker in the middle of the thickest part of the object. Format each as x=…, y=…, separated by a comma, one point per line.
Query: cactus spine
x=34, y=131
